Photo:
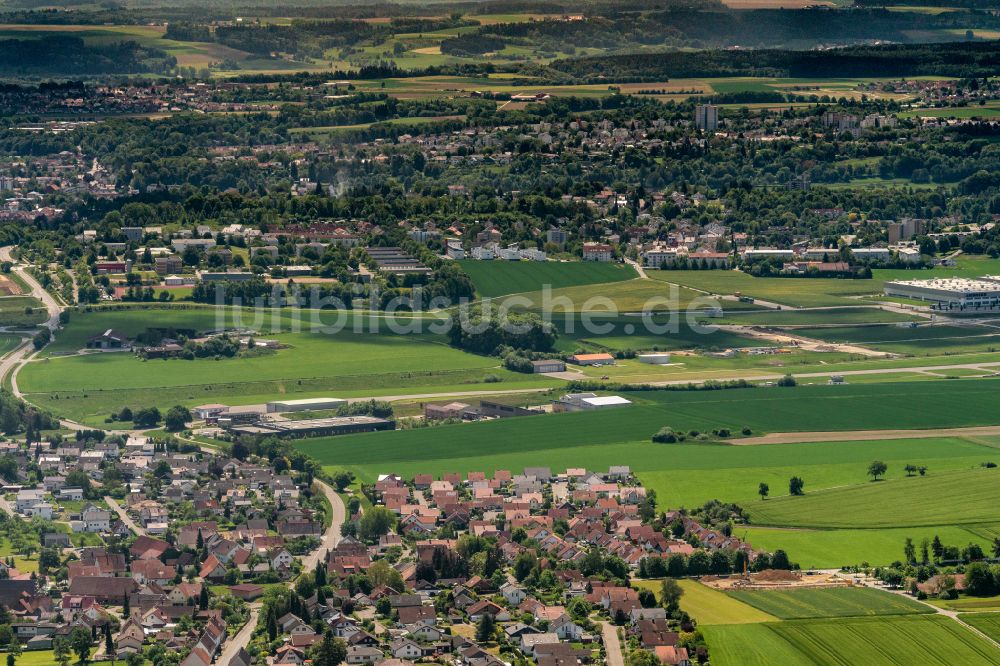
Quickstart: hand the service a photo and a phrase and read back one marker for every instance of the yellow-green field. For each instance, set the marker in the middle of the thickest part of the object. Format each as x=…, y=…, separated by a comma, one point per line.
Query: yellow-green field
x=708, y=606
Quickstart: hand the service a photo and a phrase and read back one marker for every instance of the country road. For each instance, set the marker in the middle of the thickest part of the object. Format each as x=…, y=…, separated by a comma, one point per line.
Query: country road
x=331, y=537
x=53, y=308
x=988, y=367
x=862, y=435
x=954, y=615
x=329, y=540
x=242, y=638
x=125, y=518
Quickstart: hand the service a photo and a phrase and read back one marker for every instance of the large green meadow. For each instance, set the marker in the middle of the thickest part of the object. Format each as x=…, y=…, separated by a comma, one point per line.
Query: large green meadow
x=907, y=405
x=796, y=604
x=889, y=641
x=499, y=278
x=91, y=386
x=988, y=623
x=21, y=311
x=836, y=626
x=926, y=340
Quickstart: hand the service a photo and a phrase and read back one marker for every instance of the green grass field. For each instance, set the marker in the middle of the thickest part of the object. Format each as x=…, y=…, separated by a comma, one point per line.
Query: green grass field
x=815, y=292
x=926, y=340
x=33, y=658
x=829, y=602
x=820, y=317
x=622, y=333
x=797, y=292
x=868, y=406
x=832, y=548
x=988, y=623
x=499, y=278
x=636, y=295
x=14, y=311
x=967, y=604
x=8, y=343
x=942, y=498
x=345, y=364
x=708, y=606
x=896, y=641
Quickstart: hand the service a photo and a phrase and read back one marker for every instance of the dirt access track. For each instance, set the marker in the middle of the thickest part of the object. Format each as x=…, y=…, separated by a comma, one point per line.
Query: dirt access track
x=788, y=339
x=862, y=435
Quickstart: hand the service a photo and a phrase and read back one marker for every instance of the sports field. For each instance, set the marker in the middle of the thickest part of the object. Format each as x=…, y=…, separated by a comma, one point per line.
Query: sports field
x=889, y=641
x=829, y=602
x=499, y=278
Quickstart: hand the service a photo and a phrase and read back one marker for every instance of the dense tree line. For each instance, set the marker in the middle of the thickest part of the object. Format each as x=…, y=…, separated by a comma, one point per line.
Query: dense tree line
x=949, y=59
x=66, y=55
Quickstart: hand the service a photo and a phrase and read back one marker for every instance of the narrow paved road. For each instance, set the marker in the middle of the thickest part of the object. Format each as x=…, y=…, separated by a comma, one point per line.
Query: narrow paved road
x=638, y=268
x=242, y=638
x=329, y=540
x=7, y=506
x=612, y=646
x=331, y=537
x=117, y=508
x=37, y=290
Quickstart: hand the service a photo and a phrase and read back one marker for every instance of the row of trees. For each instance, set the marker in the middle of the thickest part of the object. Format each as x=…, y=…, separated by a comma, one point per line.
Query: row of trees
x=717, y=562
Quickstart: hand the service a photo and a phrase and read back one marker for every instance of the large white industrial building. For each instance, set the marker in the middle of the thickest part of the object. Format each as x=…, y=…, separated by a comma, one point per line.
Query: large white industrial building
x=304, y=405
x=961, y=293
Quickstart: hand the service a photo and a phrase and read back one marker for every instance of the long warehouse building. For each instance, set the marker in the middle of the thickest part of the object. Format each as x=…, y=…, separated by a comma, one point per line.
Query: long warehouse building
x=950, y=293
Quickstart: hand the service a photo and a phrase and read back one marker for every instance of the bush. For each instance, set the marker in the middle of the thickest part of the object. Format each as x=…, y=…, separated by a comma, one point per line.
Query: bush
x=667, y=435
x=42, y=338
x=787, y=380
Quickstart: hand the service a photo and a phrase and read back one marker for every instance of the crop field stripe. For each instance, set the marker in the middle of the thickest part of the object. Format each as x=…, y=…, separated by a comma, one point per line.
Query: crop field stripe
x=829, y=602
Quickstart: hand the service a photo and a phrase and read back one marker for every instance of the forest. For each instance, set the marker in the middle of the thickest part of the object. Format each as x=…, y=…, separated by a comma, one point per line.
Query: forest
x=70, y=56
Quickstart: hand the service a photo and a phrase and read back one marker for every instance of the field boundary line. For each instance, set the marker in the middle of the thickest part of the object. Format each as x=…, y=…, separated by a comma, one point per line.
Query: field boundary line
x=862, y=435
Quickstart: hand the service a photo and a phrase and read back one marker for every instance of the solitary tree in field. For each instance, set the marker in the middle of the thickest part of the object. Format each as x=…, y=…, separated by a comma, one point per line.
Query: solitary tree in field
x=670, y=594
x=796, y=485
x=763, y=489
x=996, y=546
x=876, y=469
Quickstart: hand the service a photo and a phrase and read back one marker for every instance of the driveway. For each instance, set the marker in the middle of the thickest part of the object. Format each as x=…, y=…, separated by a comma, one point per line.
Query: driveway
x=612, y=646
